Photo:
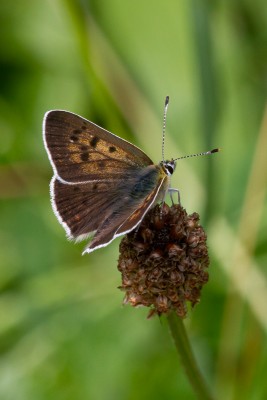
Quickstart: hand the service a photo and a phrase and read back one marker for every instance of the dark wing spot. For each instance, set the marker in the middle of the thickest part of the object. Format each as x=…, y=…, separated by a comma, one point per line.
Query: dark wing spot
x=95, y=186
x=101, y=164
x=83, y=127
x=85, y=156
x=74, y=138
x=112, y=149
x=94, y=141
x=77, y=131
x=84, y=147
x=76, y=189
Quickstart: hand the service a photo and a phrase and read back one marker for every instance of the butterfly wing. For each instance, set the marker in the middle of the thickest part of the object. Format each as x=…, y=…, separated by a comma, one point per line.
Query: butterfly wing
x=81, y=208
x=102, y=184
x=120, y=223
x=81, y=151
x=105, y=210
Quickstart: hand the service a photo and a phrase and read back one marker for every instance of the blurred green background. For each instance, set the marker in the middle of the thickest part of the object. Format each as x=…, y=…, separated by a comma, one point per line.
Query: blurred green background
x=63, y=331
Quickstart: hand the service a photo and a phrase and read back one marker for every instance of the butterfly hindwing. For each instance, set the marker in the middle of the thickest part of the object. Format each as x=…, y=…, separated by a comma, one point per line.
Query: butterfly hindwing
x=124, y=221
x=77, y=206
x=136, y=217
x=107, y=209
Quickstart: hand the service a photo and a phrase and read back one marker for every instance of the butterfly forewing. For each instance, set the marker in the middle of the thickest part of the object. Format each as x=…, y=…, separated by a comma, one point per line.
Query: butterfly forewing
x=81, y=151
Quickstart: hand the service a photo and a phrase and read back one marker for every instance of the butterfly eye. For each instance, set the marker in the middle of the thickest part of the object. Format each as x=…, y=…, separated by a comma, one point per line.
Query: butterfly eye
x=169, y=167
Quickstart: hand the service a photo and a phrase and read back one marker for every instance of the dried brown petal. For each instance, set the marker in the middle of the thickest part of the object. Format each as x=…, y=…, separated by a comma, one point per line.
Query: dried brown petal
x=164, y=263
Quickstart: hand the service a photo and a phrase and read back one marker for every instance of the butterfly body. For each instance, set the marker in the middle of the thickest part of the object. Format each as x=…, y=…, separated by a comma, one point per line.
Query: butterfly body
x=102, y=184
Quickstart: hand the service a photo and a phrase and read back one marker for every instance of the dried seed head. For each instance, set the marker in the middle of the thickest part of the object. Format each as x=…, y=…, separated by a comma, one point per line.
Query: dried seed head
x=164, y=264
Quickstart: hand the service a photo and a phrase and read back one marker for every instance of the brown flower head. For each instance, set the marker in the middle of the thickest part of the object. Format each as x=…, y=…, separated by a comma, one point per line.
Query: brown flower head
x=164, y=263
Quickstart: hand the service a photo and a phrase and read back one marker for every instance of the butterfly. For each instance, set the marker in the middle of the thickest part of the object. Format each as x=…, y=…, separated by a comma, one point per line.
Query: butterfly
x=103, y=186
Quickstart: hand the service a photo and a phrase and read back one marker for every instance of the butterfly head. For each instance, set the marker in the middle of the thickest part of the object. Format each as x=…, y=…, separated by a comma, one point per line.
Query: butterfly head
x=168, y=166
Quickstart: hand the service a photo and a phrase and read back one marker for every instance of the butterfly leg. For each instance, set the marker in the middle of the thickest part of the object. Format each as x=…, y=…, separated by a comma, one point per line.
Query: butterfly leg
x=171, y=190
x=162, y=205
x=136, y=229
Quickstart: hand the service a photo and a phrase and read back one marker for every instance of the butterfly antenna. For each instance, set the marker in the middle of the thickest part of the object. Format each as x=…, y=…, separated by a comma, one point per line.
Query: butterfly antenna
x=204, y=153
x=164, y=125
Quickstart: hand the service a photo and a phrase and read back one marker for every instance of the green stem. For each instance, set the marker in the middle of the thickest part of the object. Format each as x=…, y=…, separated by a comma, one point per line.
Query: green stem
x=187, y=357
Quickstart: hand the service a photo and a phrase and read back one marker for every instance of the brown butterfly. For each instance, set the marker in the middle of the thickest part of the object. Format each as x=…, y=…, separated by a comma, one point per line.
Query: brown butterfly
x=102, y=184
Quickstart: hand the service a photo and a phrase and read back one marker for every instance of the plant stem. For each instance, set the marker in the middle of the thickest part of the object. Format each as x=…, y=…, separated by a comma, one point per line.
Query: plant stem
x=187, y=357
